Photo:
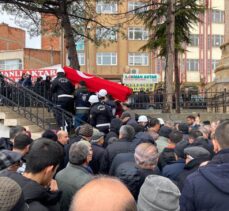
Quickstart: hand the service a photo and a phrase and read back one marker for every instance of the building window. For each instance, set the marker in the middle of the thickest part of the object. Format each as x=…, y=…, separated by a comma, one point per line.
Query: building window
x=106, y=34
x=12, y=64
x=194, y=38
x=106, y=8
x=106, y=58
x=192, y=64
x=133, y=7
x=215, y=40
x=136, y=33
x=81, y=58
x=80, y=44
x=217, y=16
x=215, y=63
x=138, y=59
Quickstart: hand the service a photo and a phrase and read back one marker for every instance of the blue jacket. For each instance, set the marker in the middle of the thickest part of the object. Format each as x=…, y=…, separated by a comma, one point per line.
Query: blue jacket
x=208, y=187
x=172, y=171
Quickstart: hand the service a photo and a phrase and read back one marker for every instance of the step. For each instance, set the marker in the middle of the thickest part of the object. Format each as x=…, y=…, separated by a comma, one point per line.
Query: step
x=37, y=135
x=9, y=115
x=33, y=128
x=14, y=122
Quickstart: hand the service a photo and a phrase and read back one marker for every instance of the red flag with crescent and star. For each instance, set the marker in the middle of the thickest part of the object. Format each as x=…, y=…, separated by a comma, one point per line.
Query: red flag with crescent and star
x=94, y=84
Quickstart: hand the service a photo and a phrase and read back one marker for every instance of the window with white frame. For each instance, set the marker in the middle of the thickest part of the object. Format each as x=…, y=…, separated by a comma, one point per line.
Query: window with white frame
x=194, y=38
x=192, y=64
x=106, y=58
x=138, y=59
x=106, y=8
x=217, y=16
x=137, y=33
x=11, y=64
x=80, y=44
x=136, y=7
x=215, y=63
x=106, y=33
x=215, y=40
x=81, y=58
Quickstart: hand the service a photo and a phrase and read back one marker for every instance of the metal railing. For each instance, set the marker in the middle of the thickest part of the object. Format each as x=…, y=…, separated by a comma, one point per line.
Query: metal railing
x=32, y=106
x=212, y=101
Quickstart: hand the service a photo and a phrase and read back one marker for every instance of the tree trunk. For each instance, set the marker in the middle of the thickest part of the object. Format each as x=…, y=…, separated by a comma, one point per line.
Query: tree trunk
x=177, y=83
x=69, y=37
x=170, y=46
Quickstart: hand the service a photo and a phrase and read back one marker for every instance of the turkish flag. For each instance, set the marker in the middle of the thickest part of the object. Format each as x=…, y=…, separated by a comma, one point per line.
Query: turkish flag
x=94, y=84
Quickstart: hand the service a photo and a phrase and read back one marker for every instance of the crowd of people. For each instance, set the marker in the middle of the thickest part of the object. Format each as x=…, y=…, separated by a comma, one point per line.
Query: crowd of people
x=139, y=164
x=115, y=160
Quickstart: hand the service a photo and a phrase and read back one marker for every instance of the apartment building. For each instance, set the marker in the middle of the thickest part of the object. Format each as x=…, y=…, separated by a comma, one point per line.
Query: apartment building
x=199, y=62
x=119, y=52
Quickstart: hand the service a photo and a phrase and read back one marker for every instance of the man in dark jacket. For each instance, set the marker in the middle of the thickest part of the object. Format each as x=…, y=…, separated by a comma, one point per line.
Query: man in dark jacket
x=126, y=135
x=63, y=89
x=41, y=164
x=133, y=174
x=194, y=157
x=84, y=132
x=208, y=188
x=76, y=174
x=114, y=130
x=100, y=114
x=97, y=141
x=168, y=154
x=120, y=159
x=82, y=105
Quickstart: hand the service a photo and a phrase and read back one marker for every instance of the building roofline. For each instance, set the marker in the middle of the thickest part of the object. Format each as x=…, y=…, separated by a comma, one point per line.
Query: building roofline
x=17, y=28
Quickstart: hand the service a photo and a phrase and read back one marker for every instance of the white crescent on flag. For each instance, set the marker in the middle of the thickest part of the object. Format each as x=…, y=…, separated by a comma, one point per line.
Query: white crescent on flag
x=81, y=74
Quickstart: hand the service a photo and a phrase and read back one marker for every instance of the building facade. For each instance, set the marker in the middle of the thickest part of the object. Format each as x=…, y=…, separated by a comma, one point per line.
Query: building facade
x=199, y=62
x=119, y=50
x=14, y=55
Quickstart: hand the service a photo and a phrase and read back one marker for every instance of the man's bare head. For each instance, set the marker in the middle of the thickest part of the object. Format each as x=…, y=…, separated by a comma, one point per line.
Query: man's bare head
x=102, y=194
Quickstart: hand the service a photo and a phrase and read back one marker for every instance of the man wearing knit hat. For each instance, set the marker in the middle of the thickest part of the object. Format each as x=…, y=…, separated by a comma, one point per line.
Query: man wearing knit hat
x=97, y=141
x=158, y=194
x=11, y=196
x=9, y=159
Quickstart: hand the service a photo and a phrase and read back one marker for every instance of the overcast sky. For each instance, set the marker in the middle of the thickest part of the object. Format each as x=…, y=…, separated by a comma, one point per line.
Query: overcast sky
x=34, y=42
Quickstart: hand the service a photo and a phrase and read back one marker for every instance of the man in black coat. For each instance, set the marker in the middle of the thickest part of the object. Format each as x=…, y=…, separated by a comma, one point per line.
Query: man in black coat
x=126, y=135
x=97, y=141
x=82, y=105
x=133, y=174
x=167, y=156
x=208, y=188
x=39, y=190
x=194, y=157
x=100, y=114
x=63, y=89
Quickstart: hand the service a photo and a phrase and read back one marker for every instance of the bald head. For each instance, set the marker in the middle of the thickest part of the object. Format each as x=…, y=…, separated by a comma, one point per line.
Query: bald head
x=102, y=194
x=63, y=137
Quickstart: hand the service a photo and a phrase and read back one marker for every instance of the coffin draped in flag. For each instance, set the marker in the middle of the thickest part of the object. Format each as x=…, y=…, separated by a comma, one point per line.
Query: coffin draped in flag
x=94, y=84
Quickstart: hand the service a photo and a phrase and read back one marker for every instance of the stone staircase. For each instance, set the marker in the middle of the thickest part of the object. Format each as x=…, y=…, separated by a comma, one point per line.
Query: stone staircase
x=8, y=117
